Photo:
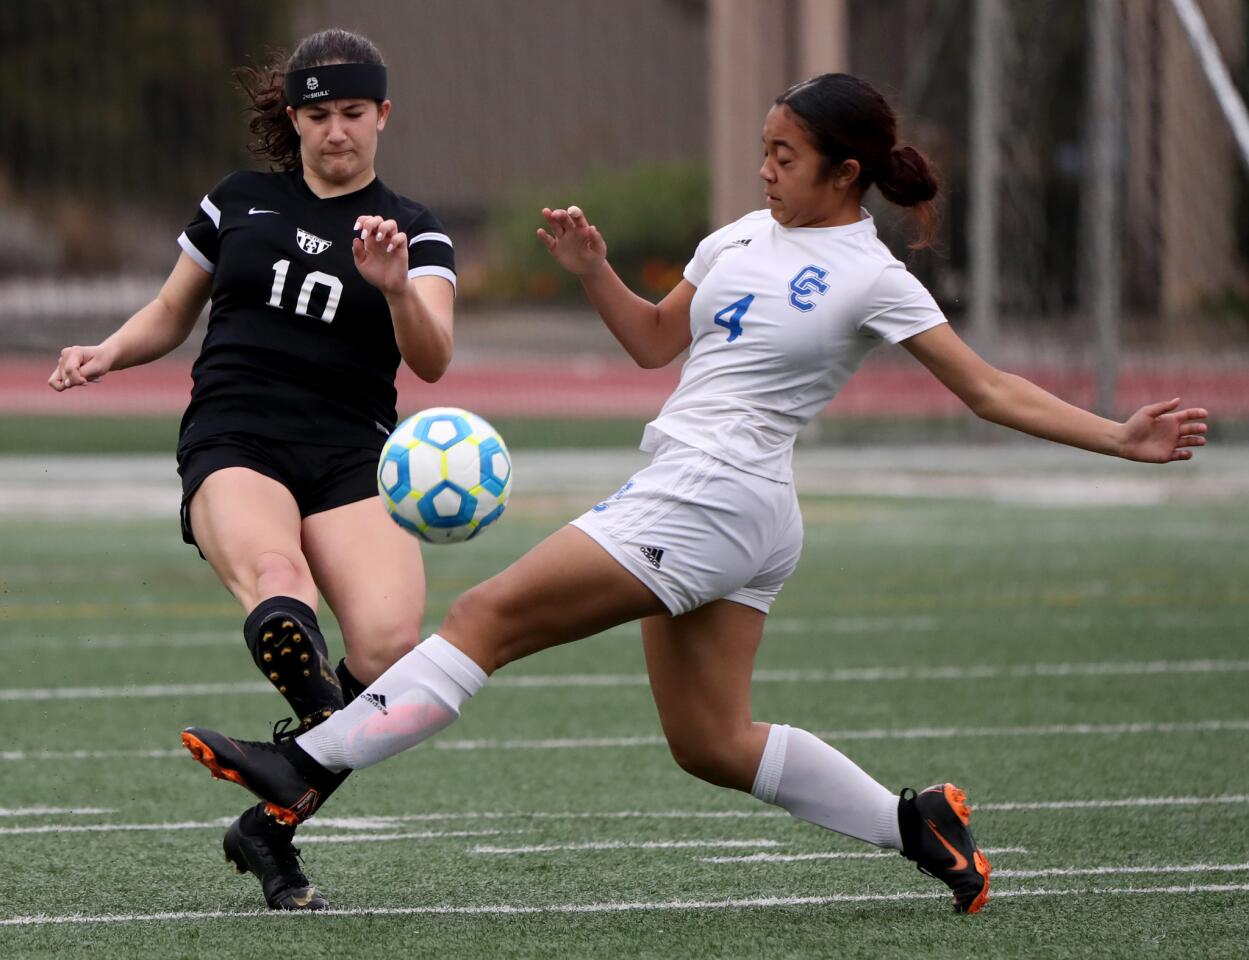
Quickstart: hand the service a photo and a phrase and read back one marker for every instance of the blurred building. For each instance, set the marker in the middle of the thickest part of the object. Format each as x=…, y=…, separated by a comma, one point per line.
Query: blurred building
x=117, y=115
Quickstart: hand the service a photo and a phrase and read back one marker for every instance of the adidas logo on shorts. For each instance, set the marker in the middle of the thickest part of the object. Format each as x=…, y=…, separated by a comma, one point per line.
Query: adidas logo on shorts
x=653, y=555
x=375, y=700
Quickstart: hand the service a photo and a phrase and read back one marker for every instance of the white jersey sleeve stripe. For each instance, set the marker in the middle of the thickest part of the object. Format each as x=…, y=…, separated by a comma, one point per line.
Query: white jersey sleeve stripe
x=189, y=249
x=210, y=208
x=431, y=271
x=430, y=235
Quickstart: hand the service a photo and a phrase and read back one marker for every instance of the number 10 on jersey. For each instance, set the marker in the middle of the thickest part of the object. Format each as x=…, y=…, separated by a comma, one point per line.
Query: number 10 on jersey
x=331, y=282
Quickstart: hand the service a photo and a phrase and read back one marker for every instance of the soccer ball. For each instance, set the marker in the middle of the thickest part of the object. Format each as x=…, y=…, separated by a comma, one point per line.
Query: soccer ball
x=444, y=475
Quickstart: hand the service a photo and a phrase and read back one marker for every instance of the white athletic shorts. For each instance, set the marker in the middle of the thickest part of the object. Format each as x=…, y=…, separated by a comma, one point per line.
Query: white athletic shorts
x=696, y=529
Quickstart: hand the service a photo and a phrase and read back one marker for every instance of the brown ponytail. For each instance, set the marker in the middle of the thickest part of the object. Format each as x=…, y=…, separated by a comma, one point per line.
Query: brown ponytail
x=847, y=118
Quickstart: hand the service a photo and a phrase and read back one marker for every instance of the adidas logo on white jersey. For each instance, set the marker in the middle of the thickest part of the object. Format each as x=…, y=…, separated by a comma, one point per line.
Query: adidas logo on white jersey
x=376, y=700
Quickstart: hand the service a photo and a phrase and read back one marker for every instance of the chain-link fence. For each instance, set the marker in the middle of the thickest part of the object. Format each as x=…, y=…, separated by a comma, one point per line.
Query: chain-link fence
x=116, y=116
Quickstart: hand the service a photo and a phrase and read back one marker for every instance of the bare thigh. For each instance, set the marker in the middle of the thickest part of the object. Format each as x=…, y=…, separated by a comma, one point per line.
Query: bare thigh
x=565, y=588
x=248, y=528
x=700, y=666
x=373, y=578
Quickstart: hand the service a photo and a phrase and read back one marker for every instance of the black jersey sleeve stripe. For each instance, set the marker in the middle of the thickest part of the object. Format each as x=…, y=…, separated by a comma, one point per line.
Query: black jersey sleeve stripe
x=201, y=240
x=194, y=253
x=213, y=211
x=431, y=235
x=433, y=271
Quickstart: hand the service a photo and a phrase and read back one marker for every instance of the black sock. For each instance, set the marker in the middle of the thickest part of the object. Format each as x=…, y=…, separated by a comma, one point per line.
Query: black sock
x=352, y=687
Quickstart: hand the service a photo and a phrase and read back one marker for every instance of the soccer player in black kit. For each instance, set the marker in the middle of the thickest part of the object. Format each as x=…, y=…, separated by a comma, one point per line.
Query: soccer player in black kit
x=321, y=279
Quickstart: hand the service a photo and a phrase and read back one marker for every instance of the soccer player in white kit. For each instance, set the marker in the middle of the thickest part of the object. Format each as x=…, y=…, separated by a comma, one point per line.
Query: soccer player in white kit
x=778, y=310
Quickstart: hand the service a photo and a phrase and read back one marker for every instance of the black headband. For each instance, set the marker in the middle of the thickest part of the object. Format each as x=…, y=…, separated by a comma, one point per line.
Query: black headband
x=365, y=81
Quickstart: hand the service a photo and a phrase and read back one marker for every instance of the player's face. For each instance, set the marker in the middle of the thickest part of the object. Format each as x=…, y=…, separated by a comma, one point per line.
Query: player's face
x=798, y=191
x=338, y=138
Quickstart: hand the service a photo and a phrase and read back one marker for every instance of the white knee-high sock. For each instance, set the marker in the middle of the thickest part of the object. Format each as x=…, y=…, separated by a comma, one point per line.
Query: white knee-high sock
x=814, y=782
x=418, y=696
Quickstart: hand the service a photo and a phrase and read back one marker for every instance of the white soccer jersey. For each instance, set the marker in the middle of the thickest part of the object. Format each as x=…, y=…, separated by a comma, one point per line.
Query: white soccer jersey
x=781, y=320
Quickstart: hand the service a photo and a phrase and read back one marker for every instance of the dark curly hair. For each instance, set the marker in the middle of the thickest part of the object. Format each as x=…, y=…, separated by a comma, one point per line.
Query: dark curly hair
x=276, y=140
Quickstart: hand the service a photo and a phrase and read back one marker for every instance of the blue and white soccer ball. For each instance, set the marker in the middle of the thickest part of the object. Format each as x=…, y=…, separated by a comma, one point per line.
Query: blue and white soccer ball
x=444, y=475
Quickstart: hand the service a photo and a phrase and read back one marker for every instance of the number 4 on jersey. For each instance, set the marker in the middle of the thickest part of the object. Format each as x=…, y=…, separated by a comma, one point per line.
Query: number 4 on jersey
x=731, y=316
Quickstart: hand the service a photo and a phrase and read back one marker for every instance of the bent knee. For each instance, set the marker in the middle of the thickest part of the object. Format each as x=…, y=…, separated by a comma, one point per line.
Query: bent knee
x=480, y=610
x=716, y=759
x=486, y=624
x=381, y=644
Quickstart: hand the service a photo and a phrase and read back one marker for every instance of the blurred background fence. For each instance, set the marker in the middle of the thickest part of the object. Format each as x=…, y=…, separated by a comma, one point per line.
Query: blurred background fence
x=1095, y=230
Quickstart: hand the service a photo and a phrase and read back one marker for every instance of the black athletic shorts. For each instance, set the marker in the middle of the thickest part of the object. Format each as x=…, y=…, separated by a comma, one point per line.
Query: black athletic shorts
x=319, y=477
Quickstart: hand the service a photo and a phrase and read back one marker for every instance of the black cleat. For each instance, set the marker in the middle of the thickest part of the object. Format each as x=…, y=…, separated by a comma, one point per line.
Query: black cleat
x=935, y=835
x=291, y=783
x=256, y=843
x=296, y=661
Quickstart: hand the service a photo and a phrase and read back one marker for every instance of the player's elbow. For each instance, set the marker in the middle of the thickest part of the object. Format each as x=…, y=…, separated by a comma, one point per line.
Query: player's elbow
x=432, y=362
x=985, y=396
x=652, y=356
x=429, y=370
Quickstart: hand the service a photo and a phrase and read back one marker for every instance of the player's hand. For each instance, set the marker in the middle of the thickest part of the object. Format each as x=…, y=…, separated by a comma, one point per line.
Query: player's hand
x=380, y=250
x=576, y=245
x=1159, y=433
x=78, y=366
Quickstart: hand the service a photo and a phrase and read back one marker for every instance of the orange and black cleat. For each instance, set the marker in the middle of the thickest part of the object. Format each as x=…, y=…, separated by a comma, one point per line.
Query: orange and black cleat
x=935, y=834
x=291, y=783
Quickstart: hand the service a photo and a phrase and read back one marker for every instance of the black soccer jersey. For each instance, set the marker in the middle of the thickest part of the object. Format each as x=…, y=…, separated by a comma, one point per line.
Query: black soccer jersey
x=299, y=346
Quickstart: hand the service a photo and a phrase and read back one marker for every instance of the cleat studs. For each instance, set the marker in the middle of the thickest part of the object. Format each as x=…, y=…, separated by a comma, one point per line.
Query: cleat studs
x=268, y=656
x=307, y=673
x=268, y=635
x=326, y=712
x=285, y=651
x=297, y=637
x=282, y=690
x=274, y=675
x=288, y=625
x=303, y=658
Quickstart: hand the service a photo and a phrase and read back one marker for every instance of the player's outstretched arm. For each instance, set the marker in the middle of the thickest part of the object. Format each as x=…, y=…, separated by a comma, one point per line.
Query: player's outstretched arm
x=652, y=334
x=1156, y=433
x=157, y=328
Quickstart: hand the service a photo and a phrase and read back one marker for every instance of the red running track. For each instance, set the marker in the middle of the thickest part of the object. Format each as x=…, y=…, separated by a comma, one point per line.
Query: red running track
x=592, y=388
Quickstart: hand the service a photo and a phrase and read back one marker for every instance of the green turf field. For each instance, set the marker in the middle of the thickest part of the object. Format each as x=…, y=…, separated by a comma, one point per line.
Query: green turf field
x=1081, y=671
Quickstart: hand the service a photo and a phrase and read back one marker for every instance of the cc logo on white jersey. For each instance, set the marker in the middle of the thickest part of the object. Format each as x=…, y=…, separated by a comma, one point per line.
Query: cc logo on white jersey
x=808, y=282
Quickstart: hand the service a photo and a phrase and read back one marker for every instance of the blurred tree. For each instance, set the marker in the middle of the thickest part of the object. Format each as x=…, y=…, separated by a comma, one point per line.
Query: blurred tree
x=126, y=98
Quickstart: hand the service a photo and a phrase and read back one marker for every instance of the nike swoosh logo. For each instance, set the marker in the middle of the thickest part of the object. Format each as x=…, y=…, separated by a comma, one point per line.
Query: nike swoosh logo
x=255, y=210
x=960, y=861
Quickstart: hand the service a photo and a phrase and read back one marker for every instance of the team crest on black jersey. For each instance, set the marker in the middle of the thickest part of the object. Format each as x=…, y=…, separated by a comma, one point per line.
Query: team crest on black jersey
x=310, y=243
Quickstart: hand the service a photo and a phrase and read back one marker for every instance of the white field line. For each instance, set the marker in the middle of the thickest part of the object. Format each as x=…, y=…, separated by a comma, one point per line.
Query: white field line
x=847, y=675
x=415, y=835
x=225, y=822
x=1116, y=871
x=222, y=638
x=833, y=855
x=54, y=811
x=755, y=903
x=627, y=845
x=17, y=755
x=1227, y=798
x=606, y=743
x=913, y=733
x=126, y=641
x=391, y=822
